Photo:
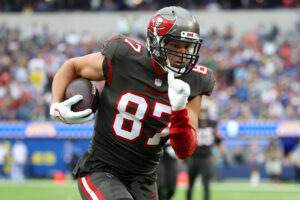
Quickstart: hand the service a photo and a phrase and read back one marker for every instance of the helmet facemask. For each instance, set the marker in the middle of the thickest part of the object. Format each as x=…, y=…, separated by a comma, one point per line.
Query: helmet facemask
x=188, y=59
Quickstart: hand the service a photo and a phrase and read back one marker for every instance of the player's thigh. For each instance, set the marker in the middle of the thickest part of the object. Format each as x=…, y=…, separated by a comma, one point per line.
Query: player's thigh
x=207, y=167
x=144, y=191
x=102, y=185
x=161, y=174
x=193, y=166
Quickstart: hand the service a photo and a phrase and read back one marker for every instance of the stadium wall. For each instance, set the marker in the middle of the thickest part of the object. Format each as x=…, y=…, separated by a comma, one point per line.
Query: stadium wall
x=50, y=144
x=106, y=23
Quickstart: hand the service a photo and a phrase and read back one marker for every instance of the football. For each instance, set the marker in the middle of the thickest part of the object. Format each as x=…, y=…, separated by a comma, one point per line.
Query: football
x=89, y=92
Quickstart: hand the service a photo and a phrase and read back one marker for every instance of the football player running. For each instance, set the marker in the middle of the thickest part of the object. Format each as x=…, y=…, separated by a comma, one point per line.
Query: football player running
x=151, y=93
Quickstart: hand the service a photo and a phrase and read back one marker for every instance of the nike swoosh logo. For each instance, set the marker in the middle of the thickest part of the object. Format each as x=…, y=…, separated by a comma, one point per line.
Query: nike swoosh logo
x=153, y=195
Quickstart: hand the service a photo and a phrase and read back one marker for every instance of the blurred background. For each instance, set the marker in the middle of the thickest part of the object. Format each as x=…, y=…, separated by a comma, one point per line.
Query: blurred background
x=253, y=46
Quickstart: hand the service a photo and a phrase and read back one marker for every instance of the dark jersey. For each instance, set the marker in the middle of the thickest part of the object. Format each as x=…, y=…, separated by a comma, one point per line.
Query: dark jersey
x=132, y=122
x=206, y=138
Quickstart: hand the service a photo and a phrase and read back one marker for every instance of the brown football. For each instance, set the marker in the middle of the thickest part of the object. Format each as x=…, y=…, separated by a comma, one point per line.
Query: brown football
x=89, y=92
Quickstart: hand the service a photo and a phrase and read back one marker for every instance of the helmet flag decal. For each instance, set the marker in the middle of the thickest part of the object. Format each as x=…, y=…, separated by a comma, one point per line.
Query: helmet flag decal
x=162, y=25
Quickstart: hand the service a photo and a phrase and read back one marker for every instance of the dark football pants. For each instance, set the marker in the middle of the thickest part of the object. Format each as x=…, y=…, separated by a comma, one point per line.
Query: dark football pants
x=166, y=179
x=105, y=186
x=203, y=166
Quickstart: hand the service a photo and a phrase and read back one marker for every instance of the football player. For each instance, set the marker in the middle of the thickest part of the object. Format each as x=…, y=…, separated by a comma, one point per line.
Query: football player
x=151, y=93
x=201, y=161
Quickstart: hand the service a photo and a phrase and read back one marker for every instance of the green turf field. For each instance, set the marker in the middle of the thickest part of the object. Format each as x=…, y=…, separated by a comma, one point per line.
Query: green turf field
x=233, y=190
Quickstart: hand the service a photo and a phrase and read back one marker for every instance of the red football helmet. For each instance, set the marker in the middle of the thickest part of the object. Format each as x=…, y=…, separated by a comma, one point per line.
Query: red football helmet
x=174, y=23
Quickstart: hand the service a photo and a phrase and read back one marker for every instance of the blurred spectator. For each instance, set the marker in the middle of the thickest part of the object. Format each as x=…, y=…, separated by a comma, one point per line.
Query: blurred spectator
x=273, y=161
x=71, y=155
x=296, y=160
x=229, y=33
x=19, y=159
x=272, y=36
x=3, y=155
x=238, y=155
x=40, y=111
x=256, y=158
x=37, y=73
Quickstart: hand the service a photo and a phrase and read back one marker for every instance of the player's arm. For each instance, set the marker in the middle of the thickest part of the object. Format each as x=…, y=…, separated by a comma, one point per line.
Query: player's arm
x=218, y=139
x=184, y=126
x=194, y=107
x=184, y=117
x=219, y=143
x=89, y=67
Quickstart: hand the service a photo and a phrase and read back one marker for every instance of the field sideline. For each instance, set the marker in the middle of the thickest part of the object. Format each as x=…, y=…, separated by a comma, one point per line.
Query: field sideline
x=228, y=190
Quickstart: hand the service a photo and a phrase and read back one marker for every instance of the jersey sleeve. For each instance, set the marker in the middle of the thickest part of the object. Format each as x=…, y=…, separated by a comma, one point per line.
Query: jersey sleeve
x=109, y=50
x=201, y=81
x=213, y=123
x=209, y=83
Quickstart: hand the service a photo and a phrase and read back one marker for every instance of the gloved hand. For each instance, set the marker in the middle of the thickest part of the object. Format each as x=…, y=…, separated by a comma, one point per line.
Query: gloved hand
x=62, y=112
x=178, y=92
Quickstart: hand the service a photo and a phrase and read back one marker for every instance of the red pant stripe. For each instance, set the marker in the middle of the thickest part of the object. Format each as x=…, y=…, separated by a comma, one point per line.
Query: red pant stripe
x=83, y=187
x=94, y=189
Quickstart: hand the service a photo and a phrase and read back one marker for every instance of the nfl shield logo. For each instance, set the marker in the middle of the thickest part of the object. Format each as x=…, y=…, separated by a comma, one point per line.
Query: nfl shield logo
x=157, y=82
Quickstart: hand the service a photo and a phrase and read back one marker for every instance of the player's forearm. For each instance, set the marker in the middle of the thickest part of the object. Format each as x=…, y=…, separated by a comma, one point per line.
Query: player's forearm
x=62, y=78
x=182, y=136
